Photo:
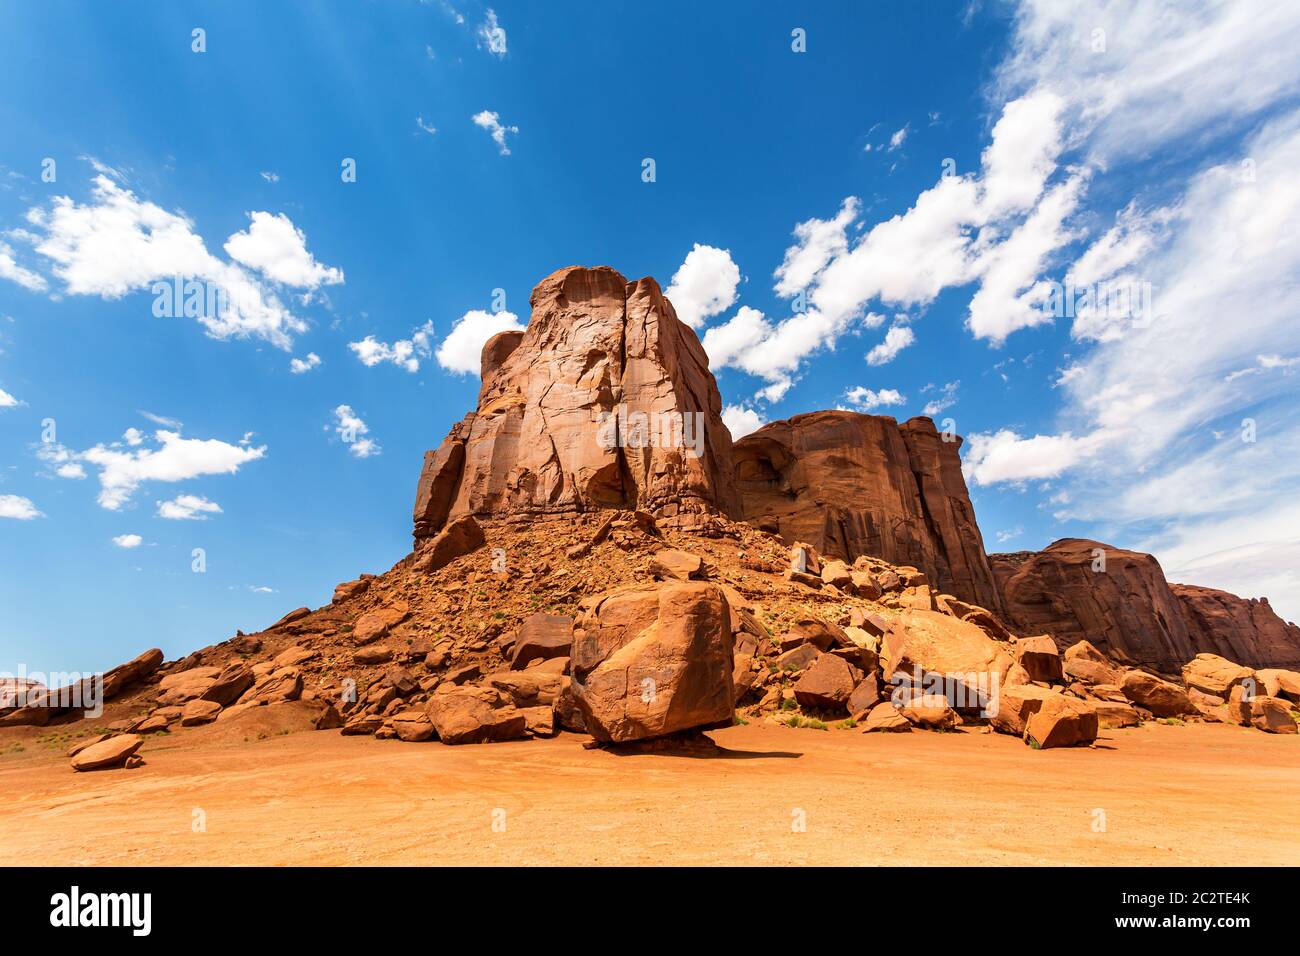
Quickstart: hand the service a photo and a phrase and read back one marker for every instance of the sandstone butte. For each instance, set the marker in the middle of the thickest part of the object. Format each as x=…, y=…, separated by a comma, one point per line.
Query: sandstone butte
x=593, y=553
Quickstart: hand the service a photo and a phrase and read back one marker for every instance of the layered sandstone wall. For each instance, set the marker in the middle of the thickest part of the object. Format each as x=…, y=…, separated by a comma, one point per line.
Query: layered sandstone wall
x=852, y=484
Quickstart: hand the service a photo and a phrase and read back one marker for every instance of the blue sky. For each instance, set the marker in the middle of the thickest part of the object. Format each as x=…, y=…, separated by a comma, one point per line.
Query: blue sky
x=876, y=222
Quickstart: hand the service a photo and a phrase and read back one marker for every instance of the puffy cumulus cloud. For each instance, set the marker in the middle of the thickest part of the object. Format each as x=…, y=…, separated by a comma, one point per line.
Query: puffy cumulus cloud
x=298, y=366
x=11, y=270
x=123, y=468
x=275, y=247
x=896, y=339
x=128, y=541
x=187, y=508
x=899, y=137
x=818, y=241
x=741, y=420
x=704, y=285
x=404, y=353
x=7, y=400
x=491, y=121
x=352, y=431
x=774, y=352
x=462, y=350
x=981, y=227
x=1004, y=456
x=866, y=400
x=117, y=243
x=18, y=508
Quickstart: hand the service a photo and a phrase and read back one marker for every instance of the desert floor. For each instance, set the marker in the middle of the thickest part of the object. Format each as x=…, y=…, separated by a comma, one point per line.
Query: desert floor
x=1200, y=794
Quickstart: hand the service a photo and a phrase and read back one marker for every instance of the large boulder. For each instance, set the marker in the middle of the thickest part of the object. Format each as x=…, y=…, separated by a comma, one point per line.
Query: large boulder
x=827, y=684
x=475, y=715
x=853, y=484
x=945, y=655
x=1277, y=682
x=1061, y=722
x=930, y=711
x=1272, y=715
x=1212, y=674
x=230, y=684
x=652, y=662
x=1158, y=696
x=542, y=637
x=604, y=401
x=462, y=536
x=1085, y=663
x=112, y=752
x=1040, y=657
x=1015, y=705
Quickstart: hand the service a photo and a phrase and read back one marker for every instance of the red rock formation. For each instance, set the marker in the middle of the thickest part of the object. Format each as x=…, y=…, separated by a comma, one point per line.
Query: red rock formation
x=1130, y=611
x=605, y=400
x=1244, y=630
x=1127, y=610
x=852, y=484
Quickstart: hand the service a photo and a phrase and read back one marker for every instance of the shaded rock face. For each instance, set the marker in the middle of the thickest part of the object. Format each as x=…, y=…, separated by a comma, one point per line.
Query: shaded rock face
x=852, y=484
x=604, y=401
x=1127, y=611
x=1244, y=630
x=1132, y=613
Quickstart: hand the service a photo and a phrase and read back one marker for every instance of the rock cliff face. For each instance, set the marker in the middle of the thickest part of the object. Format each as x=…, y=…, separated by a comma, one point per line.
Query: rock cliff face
x=852, y=484
x=1126, y=610
x=1244, y=630
x=1131, y=611
x=604, y=401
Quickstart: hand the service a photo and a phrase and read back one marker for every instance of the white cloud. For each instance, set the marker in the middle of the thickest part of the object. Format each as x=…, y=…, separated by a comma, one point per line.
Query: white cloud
x=427, y=127
x=116, y=244
x=270, y=177
x=492, y=35
x=18, y=508
x=899, y=136
x=8, y=401
x=133, y=436
x=741, y=420
x=947, y=399
x=491, y=122
x=704, y=285
x=300, y=365
x=275, y=247
x=819, y=241
x=352, y=431
x=187, y=508
x=462, y=350
x=128, y=540
x=896, y=339
x=865, y=400
x=162, y=420
x=1166, y=70
x=73, y=470
x=404, y=353
x=122, y=469
x=11, y=270
x=1005, y=456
